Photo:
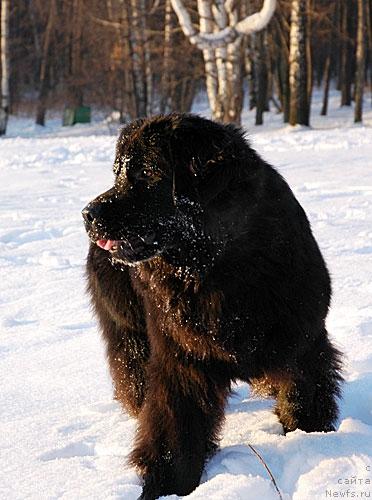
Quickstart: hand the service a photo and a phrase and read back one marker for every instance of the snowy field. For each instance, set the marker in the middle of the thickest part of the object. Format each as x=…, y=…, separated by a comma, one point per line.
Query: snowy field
x=61, y=433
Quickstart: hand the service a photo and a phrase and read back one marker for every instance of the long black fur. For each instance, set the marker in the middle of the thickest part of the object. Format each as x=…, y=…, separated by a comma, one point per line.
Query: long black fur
x=215, y=277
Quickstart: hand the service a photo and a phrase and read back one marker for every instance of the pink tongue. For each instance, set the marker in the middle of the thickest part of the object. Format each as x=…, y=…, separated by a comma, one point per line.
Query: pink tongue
x=106, y=244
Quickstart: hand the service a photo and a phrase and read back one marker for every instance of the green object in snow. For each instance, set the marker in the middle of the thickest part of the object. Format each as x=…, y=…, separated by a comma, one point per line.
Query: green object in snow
x=80, y=114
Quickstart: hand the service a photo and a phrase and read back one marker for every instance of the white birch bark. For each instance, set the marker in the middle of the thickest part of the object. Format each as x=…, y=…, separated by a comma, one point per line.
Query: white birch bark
x=294, y=57
x=205, y=40
x=220, y=17
x=206, y=27
x=220, y=38
x=4, y=47
x=234, y=74
x=298, y=65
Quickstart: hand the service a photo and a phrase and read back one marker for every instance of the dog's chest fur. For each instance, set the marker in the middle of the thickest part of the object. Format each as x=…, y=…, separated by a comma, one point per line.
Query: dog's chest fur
x=181, y=310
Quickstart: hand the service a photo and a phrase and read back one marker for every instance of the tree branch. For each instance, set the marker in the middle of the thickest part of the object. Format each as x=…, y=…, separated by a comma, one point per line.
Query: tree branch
x=250, y=24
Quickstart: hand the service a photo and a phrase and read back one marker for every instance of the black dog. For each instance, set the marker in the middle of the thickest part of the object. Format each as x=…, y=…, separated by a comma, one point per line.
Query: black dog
x=203, y=270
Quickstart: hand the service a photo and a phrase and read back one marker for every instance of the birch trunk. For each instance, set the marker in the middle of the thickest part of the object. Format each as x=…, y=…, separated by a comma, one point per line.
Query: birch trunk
x=234, y=98
x=360, y=60
x=4, y=47
x=223, y=64
x=298, y=65
x=220, y=38
x=221, y=55
x=250, y=71
x=206, y=27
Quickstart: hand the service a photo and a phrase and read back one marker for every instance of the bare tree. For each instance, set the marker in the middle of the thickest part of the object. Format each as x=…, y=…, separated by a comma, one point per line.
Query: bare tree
x=133, y=55
x=220, y=39
x=4, y=48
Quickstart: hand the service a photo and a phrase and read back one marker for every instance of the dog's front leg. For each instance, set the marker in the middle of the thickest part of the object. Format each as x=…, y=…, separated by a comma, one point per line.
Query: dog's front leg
x=178, y=426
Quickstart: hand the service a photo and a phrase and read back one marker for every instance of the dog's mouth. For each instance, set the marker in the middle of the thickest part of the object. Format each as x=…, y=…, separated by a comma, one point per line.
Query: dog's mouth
x=135, y=249
x=110, y=245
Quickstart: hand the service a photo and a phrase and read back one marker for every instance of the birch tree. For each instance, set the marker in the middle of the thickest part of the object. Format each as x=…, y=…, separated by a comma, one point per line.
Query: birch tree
x=4, y=49
x=298, y=65
x=220, y=38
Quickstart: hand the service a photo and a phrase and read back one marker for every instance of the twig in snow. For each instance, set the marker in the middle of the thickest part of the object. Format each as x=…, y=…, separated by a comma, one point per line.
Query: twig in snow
x=267, y=468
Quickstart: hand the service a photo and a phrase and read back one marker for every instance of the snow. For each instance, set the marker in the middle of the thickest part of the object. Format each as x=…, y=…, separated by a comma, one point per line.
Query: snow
x=62, y=435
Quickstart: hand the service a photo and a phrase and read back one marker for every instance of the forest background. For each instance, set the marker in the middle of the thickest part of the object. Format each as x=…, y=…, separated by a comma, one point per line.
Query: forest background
x=132, y=57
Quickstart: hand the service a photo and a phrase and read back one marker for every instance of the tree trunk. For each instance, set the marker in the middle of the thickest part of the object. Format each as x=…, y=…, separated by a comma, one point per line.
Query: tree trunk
x=165, y=90
x=360, y=60
x=220, y=38
x=346, y=52
x=309, y=59
x=129, y=101
x=327, y=81
x=4, y=47
x=261, y=75
x=223, y=64
x=211, y=79
x=183, y=95
x=250, y=70
x=233, y=101
x=298, y=65
x=44, y=68
x=286, y=94
x=76, y=89
x=283, y=66
x=137, y=34
x=328, y=62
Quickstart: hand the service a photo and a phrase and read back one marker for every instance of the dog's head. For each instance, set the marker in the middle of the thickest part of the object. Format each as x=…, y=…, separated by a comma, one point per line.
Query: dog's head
x=131, y=220
x=158, y=198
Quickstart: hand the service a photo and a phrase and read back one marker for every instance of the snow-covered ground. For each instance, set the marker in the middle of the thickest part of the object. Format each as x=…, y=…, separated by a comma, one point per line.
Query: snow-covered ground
x=61, y=433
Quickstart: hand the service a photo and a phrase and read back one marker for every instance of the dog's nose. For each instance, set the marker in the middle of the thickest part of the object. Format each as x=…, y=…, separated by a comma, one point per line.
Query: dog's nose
x=91, y=212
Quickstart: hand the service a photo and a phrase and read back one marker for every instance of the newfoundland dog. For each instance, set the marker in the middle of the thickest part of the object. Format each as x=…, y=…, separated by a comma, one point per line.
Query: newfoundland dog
x=203, y=270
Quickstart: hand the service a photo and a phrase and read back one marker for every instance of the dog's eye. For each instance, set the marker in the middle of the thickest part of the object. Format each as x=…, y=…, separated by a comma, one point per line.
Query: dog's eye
x=150, y=175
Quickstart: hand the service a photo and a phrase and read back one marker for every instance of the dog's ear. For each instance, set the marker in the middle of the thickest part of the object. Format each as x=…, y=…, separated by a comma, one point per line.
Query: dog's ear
x=203, y=156
x=215, y=179
x=161, y=129
x=128, y=131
